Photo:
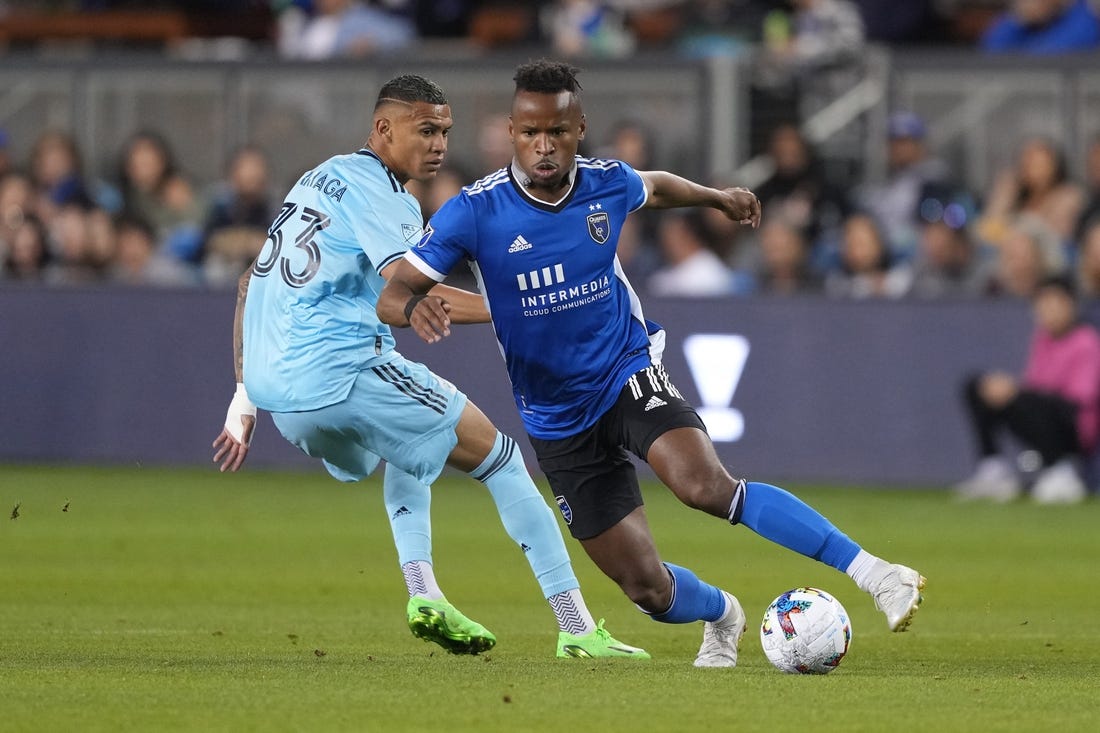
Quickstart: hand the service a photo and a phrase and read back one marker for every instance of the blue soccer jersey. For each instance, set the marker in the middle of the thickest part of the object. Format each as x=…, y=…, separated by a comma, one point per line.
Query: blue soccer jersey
x=569, y=324
x=309, y=321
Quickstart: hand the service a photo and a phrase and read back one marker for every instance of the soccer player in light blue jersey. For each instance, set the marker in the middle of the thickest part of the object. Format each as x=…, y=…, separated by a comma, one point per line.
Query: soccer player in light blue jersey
x=585, y=364
x=309, y=349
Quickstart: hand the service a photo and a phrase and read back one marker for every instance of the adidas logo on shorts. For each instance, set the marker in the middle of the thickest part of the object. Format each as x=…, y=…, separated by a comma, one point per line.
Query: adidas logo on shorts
x=654, y=403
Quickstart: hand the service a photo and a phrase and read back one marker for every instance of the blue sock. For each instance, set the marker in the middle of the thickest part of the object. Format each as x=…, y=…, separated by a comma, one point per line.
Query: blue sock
x=692, y=599
x=408, y=504
x=785, y=519
x=526, y=516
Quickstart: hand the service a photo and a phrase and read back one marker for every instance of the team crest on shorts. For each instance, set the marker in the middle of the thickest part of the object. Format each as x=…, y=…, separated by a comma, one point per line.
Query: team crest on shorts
x=599, y=226
x=566, y=512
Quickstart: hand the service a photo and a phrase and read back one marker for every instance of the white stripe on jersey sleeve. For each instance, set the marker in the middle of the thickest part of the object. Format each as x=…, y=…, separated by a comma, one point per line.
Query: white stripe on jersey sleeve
x=424, y=267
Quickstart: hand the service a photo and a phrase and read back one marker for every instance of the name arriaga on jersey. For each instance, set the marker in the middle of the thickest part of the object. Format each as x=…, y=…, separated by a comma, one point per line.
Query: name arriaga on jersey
x=569, y=324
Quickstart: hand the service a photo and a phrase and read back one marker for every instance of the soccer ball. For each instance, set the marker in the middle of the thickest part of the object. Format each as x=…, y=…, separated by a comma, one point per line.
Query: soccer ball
x=805, y=631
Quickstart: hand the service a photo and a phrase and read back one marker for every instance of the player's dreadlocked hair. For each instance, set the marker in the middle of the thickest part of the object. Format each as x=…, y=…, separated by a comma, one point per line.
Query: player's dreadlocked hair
x=411, y=88
x=547, y=77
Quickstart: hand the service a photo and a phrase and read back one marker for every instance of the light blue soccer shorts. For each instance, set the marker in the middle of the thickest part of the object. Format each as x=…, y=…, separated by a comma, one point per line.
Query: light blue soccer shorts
x=398, y=411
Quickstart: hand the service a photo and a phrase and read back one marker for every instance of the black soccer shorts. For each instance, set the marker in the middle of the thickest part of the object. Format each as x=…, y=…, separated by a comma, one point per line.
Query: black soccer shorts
x=594, y=482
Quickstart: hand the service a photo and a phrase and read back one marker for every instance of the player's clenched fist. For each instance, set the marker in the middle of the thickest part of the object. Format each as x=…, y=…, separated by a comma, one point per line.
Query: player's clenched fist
x=742, y=205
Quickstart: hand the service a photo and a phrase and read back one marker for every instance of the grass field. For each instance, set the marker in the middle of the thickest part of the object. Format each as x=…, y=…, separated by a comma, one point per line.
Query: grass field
x=152, y=600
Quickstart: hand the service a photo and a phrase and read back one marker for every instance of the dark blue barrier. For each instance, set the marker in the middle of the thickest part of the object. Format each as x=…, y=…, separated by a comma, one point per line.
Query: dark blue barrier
x=814, y=390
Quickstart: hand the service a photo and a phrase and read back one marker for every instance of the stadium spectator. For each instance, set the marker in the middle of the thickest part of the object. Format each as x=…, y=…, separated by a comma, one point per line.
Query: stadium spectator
x=1044, y=27
x=691, y=269
x=342, y=28
x=630, y=140
x=1088, y=263
x=56, y=172
x=784, y=265
x=895, y=201
x=866, y=268
x=28, y=252
x=16, y=203
x=797, y=190
x=236, y=224
x=1054, y=408
x=447, y=183
x=586, y=28
x=1028, y=255
x=137, y=260
x=155, y=191
x=494, y=144
x=824, y=36
x=949, y=263
x=75, y=258
x=1038, y=184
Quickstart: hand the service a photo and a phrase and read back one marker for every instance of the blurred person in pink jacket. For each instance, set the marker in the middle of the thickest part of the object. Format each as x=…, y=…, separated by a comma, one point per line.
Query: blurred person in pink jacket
x=1054, y=409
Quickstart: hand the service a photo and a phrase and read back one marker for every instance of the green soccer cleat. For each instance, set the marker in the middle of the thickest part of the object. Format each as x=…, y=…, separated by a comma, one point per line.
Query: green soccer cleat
x=597, y=644
x=444, y=624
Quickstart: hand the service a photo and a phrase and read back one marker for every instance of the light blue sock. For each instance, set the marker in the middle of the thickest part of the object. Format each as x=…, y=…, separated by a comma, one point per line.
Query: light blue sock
x=785, y=519
x=526, y=516
x=692, y=599
x=408, y=504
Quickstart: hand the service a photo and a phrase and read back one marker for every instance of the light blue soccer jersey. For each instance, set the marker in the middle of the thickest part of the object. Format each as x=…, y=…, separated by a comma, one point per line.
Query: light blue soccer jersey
x=309, y=321
x=569, y=324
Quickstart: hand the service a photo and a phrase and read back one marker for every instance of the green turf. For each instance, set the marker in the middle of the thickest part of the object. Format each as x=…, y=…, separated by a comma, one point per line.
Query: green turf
x=188, y=600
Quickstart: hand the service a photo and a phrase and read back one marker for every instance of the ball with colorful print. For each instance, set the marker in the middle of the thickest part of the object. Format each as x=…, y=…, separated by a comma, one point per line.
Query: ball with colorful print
x=805, y=631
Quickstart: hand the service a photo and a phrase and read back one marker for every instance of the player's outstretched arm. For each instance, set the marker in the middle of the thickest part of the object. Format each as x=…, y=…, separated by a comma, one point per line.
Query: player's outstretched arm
x=231, y=446
x=411, y=298
x=668, y=190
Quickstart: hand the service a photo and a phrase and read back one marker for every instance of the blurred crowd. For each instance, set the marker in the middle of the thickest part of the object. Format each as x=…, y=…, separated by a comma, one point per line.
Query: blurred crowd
x=917, y=232
x=315, y=29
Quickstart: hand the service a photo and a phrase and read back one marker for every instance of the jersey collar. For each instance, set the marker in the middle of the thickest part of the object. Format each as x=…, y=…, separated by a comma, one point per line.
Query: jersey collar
x=516, y=176
x=398, y=186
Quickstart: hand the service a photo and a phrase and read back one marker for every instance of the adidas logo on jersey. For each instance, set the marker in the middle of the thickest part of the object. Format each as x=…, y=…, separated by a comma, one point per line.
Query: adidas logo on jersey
x=402, y=511
x=519, y=244
x=654, y=403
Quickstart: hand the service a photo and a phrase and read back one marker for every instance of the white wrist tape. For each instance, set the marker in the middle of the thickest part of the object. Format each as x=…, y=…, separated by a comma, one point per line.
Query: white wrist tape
x=238, y=408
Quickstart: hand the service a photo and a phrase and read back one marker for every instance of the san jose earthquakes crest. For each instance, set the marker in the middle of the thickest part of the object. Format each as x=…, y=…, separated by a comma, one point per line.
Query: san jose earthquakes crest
x=599, y=226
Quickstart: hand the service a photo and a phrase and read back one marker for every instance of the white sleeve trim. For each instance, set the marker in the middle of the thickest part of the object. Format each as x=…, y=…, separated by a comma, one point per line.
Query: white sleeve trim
x=645, y=190
x=424, y=267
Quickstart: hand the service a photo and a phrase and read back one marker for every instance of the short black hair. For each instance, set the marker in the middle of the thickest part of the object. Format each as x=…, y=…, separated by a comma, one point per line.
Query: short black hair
x=1058, y=282
x=411, y=88
x=547, y=77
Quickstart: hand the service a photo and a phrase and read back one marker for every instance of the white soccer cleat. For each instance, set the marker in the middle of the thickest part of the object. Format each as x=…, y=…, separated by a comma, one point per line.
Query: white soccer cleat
x=721, y=638
x=994, y=480
x=1059, y=484
x=898, y=595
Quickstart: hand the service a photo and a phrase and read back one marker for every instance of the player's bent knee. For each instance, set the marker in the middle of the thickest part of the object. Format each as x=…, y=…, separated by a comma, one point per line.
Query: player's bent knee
x=710, y=492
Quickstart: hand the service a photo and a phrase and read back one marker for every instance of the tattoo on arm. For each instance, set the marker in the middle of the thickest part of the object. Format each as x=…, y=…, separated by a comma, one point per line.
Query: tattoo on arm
x=238, y=324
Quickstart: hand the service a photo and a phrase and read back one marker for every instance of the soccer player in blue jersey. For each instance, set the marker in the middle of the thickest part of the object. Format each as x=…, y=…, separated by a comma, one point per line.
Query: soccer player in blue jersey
x=310, y=349
x=585, y=364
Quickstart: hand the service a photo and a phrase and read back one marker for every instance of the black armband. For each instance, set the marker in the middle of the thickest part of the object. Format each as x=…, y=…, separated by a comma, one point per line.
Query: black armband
x=411, y=305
